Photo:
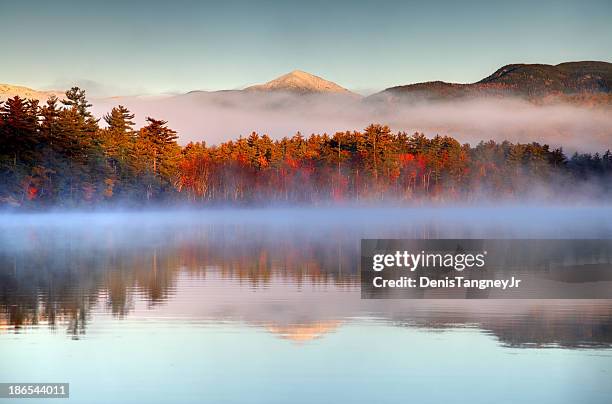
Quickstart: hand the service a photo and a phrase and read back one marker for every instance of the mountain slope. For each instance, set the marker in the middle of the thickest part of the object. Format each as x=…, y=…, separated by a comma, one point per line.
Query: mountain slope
x=10, y=91
x=523, y=80
x=299, y=81
x=572, y=77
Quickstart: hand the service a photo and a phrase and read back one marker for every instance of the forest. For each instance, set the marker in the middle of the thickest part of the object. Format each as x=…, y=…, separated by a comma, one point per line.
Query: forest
x=57, y=154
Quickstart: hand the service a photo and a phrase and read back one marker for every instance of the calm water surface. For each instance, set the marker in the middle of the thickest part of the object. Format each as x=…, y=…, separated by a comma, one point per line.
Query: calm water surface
x=263, y=306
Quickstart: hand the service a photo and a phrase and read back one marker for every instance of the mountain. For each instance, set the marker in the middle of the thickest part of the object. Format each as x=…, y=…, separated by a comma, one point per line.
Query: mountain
x=571, y=77
x=523, y=80
x=299, y=81
x=9, y=91
x=582, y=82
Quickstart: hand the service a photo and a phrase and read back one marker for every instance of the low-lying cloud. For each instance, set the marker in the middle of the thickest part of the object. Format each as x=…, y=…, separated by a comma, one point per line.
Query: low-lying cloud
x=219, y=116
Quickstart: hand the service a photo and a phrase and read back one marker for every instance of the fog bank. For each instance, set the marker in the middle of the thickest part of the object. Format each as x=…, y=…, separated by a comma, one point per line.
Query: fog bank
x=219, y=116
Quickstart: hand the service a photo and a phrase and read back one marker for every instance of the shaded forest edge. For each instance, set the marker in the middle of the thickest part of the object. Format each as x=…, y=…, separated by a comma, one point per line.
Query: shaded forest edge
x=58, y=155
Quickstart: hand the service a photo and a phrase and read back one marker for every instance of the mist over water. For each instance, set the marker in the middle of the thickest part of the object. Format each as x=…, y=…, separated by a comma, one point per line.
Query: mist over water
x=151, y=255
x=219, y=292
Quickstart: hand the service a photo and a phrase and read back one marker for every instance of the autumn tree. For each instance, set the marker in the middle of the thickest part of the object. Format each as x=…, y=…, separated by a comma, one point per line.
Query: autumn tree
x=119, y=138
x=158, y=154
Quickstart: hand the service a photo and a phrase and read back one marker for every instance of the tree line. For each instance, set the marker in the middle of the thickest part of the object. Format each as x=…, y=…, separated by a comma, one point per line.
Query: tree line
x=58, y=154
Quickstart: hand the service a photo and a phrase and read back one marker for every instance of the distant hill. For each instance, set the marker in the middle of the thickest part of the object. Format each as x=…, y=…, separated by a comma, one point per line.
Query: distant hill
x=9, y=91
x=299, y=81
x=535, y=81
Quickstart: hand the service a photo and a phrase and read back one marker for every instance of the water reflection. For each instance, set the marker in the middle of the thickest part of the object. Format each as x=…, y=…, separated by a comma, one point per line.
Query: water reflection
x=292, y=273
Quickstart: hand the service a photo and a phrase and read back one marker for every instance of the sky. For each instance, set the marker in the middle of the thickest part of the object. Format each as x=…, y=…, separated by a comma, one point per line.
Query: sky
x=149, y=47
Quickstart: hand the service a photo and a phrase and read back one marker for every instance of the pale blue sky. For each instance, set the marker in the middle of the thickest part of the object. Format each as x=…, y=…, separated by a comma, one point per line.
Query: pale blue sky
x=159, y=46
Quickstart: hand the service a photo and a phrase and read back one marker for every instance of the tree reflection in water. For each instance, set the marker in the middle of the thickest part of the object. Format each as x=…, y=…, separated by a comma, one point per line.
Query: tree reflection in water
x=305, y=272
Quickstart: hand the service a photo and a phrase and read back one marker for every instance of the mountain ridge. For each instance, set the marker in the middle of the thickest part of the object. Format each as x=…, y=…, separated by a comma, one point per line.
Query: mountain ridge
x=570, y=80
x=521, y=79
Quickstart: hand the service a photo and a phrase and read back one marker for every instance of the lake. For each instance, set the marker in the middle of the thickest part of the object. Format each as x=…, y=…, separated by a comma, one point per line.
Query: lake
x=263, y=306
